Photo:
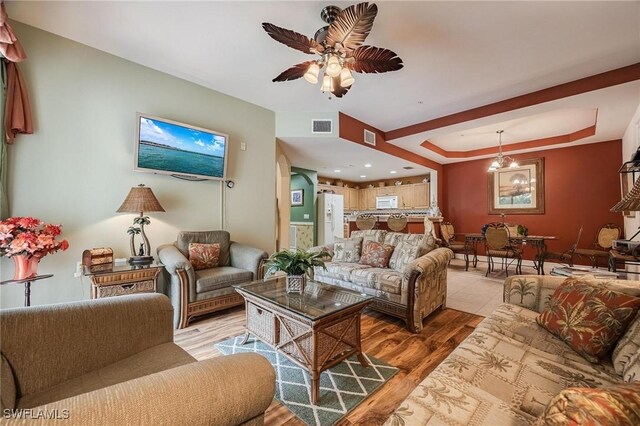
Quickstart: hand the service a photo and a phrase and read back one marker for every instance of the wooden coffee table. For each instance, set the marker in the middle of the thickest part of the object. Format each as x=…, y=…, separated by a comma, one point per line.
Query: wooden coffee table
x=316, y=330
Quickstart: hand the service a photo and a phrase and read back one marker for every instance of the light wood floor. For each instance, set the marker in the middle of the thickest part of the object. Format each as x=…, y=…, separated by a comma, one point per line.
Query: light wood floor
x=384, y=337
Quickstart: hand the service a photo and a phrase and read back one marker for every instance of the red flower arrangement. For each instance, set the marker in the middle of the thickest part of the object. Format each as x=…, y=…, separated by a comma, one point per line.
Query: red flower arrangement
x=29, y=237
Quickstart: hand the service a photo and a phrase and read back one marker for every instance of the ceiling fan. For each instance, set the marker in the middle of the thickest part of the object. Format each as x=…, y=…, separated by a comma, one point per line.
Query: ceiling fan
x=340, y=46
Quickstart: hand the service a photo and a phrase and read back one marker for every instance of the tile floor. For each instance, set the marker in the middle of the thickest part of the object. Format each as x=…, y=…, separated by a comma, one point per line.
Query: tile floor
x=470, y=291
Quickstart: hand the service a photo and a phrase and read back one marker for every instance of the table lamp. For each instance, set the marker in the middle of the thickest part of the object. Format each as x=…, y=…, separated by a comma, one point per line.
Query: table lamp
x=139, y=200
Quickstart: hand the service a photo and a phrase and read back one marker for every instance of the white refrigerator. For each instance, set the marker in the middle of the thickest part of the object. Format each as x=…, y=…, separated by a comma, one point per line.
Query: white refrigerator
x=330, y=218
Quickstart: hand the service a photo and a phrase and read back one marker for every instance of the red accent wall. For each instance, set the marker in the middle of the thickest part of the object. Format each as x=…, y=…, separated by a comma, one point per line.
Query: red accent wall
x=581, y=185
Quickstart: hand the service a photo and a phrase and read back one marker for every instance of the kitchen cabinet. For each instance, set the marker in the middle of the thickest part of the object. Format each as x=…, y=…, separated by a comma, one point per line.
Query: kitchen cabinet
x=405, y=196
x=371, y=198
x=354, y=199
x=420, y=195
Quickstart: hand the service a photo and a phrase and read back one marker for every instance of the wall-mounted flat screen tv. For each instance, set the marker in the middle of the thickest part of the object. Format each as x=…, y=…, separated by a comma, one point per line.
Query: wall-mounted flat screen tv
x=169, y=147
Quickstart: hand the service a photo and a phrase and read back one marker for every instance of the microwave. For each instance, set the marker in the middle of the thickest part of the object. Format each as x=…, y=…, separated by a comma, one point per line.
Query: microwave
x=387, y=202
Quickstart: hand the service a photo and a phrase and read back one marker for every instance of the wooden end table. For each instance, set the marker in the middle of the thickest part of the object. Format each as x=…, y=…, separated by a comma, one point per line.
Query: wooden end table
x=122, y=279
x=316, y=329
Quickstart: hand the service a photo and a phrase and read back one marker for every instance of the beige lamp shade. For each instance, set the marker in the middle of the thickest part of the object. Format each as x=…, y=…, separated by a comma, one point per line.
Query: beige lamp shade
x=140, y=199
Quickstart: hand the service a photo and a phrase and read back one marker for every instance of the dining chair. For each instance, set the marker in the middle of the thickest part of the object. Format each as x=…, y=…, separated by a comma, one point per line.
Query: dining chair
x=448, y=233
x=498, y=245
x=366, y=221
x=601, y=246
x=397, y=222
x=564, y=257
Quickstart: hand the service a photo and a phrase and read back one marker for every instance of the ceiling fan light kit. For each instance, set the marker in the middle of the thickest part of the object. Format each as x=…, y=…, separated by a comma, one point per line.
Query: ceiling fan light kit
x=501, y=161
x=341, y=49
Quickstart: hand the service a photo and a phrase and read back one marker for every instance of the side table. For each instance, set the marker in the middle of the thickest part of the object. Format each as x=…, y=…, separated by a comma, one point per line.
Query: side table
x=119, y=280
x=27, y=285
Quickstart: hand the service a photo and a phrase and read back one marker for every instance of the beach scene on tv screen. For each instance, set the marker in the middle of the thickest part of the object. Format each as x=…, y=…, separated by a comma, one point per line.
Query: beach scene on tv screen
x=170, y=147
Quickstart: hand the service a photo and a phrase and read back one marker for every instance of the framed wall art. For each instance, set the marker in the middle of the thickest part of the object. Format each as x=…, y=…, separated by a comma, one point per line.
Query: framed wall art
x=519, y=190
x=297, y=197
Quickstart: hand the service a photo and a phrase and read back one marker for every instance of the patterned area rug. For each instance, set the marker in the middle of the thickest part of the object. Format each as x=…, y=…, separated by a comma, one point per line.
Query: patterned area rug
x=342, y=387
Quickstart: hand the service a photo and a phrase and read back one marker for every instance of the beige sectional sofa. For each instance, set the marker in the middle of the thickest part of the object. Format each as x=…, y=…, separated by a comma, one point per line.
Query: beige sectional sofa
x=410, y=294
x=509, y=368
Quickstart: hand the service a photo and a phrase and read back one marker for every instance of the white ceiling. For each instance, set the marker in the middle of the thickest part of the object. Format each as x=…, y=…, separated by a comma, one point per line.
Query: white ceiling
x=457, y=55
x=616, y=106
x=544, y=125
x=325, y=155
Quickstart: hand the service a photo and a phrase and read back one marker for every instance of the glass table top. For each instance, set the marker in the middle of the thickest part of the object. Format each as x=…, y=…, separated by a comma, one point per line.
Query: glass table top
x=109, y=268
x=317, y=301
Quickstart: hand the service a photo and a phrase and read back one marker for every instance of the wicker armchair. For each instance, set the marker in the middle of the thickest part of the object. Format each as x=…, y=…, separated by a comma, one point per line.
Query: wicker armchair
x=194, y=293
x=498, y=245
x=397, y=222
x=563, y=257
x=449, y=240
x=366, y=221
x=602, y=245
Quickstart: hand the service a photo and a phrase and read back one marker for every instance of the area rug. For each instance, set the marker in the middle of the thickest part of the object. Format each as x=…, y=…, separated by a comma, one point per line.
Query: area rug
x=342, y=387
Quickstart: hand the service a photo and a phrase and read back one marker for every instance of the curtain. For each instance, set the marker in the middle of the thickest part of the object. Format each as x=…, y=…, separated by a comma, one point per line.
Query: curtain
x=4, y=198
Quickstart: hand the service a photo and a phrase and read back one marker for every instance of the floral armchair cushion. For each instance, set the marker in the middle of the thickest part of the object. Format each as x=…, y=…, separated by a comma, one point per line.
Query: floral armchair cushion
x=609, y=405
x=347, y=249
x=588, y=318
x=204, y=256
x=376, y=254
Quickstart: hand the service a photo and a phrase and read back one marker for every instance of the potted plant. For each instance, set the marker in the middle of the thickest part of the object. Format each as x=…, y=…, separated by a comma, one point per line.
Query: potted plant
x=27, y=240
x=296, y=264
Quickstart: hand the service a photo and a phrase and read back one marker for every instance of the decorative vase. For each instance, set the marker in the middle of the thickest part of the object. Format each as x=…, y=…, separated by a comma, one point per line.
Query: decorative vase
x=25, y=266
x=295, y=283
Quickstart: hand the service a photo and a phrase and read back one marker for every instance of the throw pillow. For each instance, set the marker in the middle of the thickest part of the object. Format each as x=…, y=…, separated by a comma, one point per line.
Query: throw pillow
x=376, y=254
x=347, y=249
x=627, y=346
x=610, y=405
x=404, y=253
x=204, y=256
x=589, y=319
x=631, y=371
x=376, y=235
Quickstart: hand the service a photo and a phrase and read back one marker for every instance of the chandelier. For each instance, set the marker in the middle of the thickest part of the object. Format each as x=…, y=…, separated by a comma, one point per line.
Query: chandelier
x=501, y=161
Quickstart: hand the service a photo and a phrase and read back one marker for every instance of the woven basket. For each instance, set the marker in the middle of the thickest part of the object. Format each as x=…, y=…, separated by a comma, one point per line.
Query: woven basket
x=295, y=283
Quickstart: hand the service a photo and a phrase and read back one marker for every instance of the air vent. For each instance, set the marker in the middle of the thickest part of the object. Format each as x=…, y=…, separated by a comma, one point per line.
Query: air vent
x=408, y=167
x=369, y=137
x=321, y=126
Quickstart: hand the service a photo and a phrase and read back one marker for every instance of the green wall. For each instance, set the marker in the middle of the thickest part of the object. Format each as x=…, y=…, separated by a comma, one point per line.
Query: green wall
x=308, y=181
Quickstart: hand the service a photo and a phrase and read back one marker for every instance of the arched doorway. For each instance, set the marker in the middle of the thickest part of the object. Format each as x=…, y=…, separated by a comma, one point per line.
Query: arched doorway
x=283, y=200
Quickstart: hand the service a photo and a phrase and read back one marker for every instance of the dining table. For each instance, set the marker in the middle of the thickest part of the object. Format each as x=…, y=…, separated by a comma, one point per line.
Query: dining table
x=538, y=242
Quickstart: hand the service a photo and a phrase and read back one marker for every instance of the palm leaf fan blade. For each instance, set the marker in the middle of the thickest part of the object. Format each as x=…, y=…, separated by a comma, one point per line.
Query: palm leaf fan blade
x=371, y=59
x=338, y=91
x=292, y=39
x=294, y=72
x=352, y=26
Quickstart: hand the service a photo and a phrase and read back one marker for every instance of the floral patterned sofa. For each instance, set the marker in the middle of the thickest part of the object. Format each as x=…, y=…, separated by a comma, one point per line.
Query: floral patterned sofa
x=410, y=294
x=509, y=368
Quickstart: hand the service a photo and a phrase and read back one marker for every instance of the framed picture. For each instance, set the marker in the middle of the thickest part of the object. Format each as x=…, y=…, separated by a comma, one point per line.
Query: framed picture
x=297, y=197
x=519, y=190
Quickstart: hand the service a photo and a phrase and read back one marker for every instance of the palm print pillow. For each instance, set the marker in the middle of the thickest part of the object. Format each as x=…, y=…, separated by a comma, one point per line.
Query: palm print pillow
x=589, y=319
x=376, y=254
x=347, y=249
x=204, y=256
x=610, y=405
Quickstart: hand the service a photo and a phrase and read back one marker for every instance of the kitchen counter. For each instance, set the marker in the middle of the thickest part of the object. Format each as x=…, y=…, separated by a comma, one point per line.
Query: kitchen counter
x=410, y=218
